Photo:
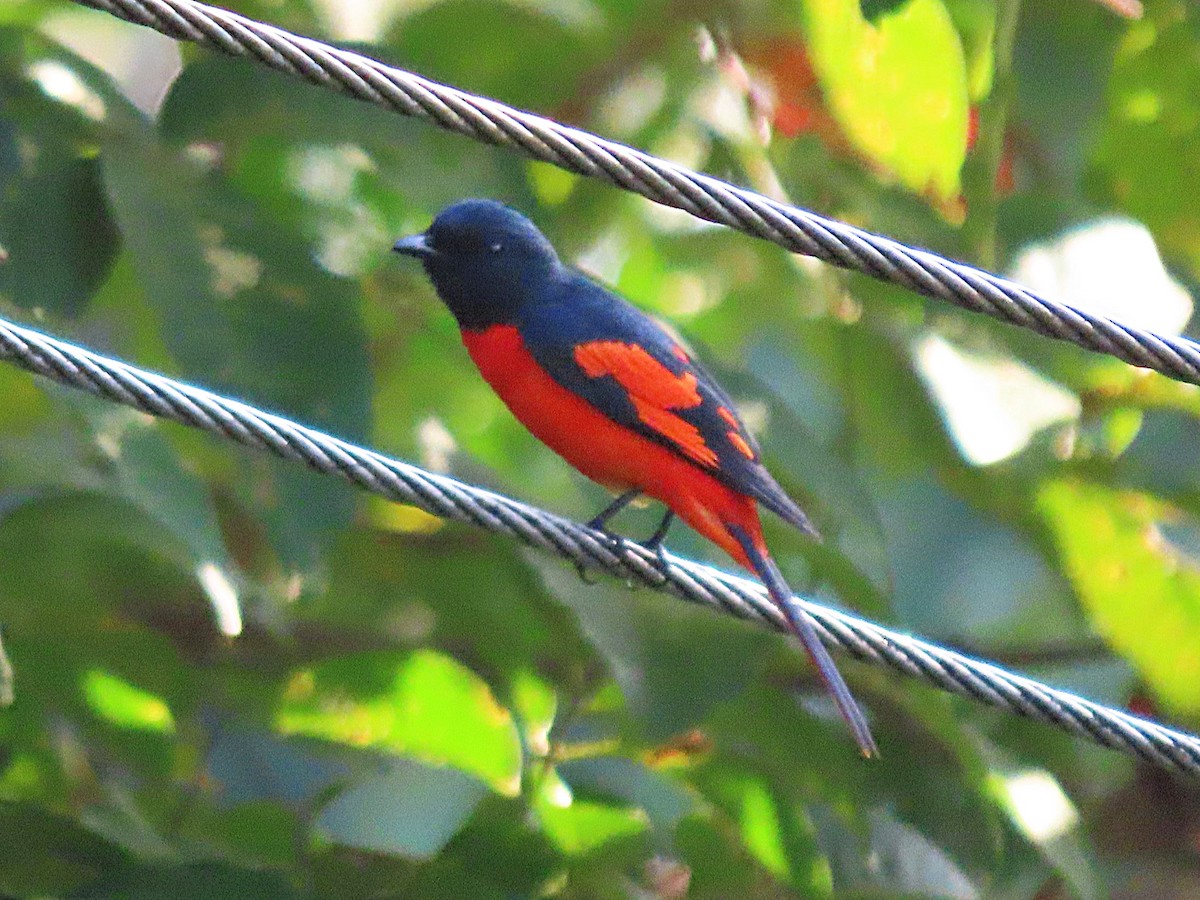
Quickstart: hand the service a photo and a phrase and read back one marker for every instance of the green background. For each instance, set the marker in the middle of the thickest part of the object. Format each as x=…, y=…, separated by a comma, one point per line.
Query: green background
x=233, y=677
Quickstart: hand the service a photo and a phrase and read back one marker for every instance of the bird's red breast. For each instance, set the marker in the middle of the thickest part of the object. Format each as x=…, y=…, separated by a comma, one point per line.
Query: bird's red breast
x=606, y=451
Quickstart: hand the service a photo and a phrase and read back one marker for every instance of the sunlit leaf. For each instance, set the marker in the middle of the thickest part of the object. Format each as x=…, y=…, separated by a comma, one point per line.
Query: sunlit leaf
x=579, y=826
x=428, y=706
x=897, y=86
x=125, y=705
x=1142, y=594
x=535, y=704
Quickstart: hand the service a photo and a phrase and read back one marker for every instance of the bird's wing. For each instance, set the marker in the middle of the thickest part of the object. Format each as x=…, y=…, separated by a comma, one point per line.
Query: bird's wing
x=628, y=367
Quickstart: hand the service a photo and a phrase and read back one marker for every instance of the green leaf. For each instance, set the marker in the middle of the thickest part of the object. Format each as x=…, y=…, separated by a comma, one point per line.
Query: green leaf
x=897, y=86
x=720, y=866
x=426, y=705
x=493, y=65
x=664, y=799
x=535, y=705
x=254, y=833
x=195, y=881
x=414, y=587
x=674, y=663
x=44, y=853
x=146, y=471
x=578, y=826
x=64, y=574
x=22, y=12
x=245, y=310
x=119, y=818
x=759, y=818
x=1141, y=594
x=126, y=705
x=410, y=809
x=56, y=234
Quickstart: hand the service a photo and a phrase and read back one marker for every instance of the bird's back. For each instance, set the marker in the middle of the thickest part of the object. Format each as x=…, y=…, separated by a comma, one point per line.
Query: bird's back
x=608, y=352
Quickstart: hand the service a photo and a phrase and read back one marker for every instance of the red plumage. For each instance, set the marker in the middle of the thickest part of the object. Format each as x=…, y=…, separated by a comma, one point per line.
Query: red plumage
x=606, y=452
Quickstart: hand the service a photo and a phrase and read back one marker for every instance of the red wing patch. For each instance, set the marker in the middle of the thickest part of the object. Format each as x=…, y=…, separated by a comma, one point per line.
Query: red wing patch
x=654, y=390
x=740, y=444
x=735, y=433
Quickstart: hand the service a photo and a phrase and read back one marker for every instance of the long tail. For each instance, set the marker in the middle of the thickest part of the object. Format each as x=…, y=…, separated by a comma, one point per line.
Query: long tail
x=802, y=627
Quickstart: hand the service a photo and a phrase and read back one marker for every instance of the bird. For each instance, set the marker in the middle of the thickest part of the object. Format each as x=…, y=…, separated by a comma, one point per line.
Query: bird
x=617, y=396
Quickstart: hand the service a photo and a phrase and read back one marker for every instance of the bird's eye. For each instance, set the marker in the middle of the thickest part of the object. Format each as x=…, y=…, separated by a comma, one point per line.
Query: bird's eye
x=496, y=248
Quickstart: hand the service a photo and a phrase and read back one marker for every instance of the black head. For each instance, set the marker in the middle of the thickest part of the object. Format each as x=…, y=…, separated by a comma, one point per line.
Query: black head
x=485, y=261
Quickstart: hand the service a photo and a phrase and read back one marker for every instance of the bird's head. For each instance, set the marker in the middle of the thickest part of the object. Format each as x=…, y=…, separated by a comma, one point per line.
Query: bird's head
x=485, y=261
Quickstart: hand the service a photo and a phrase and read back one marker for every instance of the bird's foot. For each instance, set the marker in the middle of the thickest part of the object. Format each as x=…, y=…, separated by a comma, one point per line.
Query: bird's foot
x=656, y=540
x=660, y=553
x=616, y=544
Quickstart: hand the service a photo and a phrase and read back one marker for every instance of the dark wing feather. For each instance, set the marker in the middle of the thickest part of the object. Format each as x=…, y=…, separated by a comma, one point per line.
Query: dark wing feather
x=628, y=367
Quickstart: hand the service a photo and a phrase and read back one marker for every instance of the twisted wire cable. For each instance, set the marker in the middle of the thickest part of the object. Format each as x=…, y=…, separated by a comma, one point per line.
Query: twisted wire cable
x=795, y=229
x=442, y=496
x=705, y=197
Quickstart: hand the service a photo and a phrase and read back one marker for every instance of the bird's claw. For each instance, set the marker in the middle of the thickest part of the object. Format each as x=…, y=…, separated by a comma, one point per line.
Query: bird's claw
x=656, y=546
x=583, y=574
x=660, y=553
x=616, y=544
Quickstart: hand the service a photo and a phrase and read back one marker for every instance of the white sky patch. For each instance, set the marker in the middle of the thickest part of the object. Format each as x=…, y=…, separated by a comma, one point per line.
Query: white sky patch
x=1038, y=805
x=437, y=443
x=634, y=100
x=142, y=62
x=604, y=258
x=1110, y=267
x=223, y=596
x=723, y=108
x=366, y=20
x=558, y=793
x=361, y=20
x=326, y=174
x=348, y=245
x=63, y=85
x=233, y=271
x=350, y=232
x=992, y=407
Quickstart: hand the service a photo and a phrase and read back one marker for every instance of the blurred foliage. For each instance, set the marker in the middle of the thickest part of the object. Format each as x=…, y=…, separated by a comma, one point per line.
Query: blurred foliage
x=232, y=677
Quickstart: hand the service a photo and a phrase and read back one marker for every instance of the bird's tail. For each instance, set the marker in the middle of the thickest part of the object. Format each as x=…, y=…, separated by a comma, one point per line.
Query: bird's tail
x=802, y=627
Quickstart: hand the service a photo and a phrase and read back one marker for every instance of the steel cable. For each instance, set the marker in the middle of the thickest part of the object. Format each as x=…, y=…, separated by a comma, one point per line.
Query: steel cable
x=708, y=198
x=663, y=182
x=451, y=499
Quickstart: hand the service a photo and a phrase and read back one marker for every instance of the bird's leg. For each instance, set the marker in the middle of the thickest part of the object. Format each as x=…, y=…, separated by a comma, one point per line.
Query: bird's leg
x=655, y=542
x=599, y=522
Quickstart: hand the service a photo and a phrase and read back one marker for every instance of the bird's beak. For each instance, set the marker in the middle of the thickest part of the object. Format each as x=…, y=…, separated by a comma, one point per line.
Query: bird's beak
x=414, y=245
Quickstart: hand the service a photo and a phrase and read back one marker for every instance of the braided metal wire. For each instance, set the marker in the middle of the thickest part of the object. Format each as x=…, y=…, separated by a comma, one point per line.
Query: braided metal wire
x=663, y=182
x=442, y=496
